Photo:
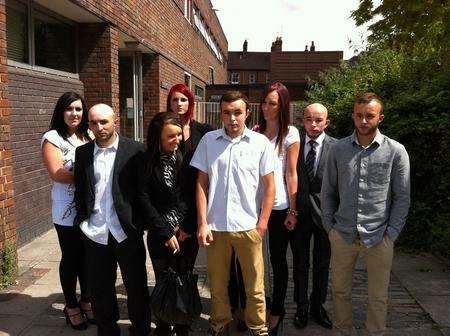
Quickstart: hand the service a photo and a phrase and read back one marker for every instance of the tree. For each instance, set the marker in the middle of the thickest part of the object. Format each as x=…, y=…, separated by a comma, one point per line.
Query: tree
x=407, y=24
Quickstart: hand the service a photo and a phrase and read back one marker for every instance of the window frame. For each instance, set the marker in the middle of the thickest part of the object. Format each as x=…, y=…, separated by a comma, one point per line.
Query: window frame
x=31, y=65
x=238, y=75
x=188, y=75
x=212, y=75
x=252, y=78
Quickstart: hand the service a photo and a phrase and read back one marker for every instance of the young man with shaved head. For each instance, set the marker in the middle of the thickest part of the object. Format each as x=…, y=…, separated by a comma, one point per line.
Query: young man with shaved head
x=314, y=148
x=365, y=201
x=105, y=187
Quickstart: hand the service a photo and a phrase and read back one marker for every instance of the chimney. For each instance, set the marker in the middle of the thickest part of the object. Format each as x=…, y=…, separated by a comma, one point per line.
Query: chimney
x=277, y=44
x=306, y=47
x=313, y=47
x=244, y=47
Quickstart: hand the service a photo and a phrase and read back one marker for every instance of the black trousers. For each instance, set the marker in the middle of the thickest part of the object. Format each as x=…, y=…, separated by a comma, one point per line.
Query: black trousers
x=321, y=264
x=102, y=263
x=72, y=266
x=181, y=262
x=279, y=238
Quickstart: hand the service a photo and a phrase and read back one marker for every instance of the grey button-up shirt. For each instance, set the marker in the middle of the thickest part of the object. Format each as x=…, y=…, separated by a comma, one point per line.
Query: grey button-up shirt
x=366, y=191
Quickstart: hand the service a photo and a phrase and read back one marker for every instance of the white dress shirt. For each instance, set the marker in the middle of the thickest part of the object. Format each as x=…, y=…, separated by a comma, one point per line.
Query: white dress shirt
x=234, y=167
x=318, y=147
x=104, y=217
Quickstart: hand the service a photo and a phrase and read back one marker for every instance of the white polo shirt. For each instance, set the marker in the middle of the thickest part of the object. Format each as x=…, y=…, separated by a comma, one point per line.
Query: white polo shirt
x=234, y=167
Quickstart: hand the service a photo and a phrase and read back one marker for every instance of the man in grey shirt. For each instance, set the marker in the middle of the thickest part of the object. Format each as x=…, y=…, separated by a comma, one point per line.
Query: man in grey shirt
x=365, y=200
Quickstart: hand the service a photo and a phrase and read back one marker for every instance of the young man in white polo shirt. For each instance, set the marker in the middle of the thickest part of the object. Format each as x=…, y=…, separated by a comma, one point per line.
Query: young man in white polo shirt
x=235, y=194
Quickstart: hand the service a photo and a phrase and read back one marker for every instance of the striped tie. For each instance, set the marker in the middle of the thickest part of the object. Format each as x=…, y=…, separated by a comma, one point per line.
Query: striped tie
x=311, y=159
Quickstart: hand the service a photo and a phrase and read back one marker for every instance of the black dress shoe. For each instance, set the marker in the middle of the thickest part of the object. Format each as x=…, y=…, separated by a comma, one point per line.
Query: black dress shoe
x=274, y=331
x=301, y=318
x=319, y=315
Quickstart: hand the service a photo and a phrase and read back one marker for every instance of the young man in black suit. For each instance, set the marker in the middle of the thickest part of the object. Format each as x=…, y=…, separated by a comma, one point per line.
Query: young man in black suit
x=105, y=189
x=314, y=148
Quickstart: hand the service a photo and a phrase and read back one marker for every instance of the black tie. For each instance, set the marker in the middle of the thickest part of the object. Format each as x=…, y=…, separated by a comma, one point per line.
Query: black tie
x=311, y=159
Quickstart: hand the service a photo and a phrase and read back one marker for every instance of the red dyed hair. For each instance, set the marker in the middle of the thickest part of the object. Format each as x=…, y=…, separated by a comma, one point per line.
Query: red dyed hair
x=182, y=88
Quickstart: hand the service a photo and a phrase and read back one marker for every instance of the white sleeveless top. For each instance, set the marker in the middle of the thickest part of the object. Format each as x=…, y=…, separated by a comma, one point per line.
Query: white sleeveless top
x=63, y=205
x=281, y=194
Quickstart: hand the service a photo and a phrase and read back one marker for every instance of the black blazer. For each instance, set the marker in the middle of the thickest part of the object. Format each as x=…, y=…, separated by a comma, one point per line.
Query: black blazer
x=124, y=184
x=189, y=174
x=308, y=195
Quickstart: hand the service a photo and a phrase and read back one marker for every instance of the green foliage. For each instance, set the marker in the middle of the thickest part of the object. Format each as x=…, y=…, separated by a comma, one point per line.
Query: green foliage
x=7, y=266
x=406, y=23
x=415, y=87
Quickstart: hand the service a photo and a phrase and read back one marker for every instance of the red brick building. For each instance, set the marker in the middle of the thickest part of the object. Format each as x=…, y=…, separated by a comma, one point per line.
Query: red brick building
x=123, y=53
x=250, y=71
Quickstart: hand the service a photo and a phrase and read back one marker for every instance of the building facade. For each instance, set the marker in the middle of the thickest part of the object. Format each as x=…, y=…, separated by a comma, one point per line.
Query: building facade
x=250, y=71
x=126, y=54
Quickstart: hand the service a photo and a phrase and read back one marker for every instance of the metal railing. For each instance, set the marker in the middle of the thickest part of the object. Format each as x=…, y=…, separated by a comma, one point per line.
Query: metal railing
x=209, y=112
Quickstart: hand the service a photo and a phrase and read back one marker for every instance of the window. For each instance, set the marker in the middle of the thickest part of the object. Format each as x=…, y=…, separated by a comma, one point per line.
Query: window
x=211, y=75
x=187, y=10
x=252, y=78
x=55, y=43
x=235, y=78
x=187, y=80
x=37, y=36
x=205, y=32
x=198, y=93
x=17, y=31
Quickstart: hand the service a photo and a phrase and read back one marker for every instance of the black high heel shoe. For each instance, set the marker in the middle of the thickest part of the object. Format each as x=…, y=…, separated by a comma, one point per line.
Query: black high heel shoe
x=81, y=326
x=85, y=314
x=274, y=330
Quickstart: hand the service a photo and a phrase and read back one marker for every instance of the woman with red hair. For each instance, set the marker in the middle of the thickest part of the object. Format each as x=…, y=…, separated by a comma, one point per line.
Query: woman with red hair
x=181, y=101
x=275, y=124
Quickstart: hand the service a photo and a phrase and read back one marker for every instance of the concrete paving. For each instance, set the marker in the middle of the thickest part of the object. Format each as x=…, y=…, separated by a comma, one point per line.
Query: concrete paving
x=419, y=297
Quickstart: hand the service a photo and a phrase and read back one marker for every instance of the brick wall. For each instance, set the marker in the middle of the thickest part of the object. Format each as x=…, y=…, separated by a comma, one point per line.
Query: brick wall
x=161, y=26
x=8, y=235
x=32, y=96
x=298, y=66
x=99, y=64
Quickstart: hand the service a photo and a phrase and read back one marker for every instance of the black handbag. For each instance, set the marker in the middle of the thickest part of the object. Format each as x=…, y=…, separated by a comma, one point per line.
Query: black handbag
x=175, y=298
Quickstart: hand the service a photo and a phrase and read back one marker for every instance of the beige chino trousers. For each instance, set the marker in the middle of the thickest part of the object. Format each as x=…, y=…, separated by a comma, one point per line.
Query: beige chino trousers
x=378, y=260
x=248, y=248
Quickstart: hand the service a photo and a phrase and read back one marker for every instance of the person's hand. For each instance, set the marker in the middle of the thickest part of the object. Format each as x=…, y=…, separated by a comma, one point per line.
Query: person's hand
x=182, y=236
x=261, y=230
x=172, y=243
x=290, y=221
x=204, y=235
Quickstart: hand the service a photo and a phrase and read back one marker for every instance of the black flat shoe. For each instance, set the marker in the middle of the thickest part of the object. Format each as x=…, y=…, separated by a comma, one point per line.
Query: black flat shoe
x=301, y=318
x=274, y=331
x=81, y=326
x=319, y=315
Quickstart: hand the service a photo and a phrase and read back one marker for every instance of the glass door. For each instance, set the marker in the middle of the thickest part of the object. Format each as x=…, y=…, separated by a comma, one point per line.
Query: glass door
x=130, y=95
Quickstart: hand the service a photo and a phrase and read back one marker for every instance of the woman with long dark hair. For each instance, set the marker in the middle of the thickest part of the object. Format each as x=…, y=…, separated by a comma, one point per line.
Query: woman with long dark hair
x=68, y=130
x=274, y=122
x=162, y=205
x=181, y=101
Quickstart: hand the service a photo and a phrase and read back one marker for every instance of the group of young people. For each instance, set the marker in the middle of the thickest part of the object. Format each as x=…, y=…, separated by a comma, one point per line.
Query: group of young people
x=223, y=189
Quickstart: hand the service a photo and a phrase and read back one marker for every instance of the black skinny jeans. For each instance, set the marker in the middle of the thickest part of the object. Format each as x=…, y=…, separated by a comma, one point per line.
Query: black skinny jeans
x=72, y=265
x=279, y=238
x=181, y=262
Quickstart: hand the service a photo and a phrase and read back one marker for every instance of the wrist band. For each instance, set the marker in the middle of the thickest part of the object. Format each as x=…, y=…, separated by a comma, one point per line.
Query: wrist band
x=292, y=212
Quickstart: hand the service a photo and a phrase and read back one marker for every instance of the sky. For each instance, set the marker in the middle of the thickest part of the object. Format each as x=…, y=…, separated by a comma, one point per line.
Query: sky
x=298, y=22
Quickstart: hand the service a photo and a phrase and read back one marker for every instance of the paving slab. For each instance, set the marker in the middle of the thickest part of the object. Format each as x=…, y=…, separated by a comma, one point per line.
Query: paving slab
x=419, y=295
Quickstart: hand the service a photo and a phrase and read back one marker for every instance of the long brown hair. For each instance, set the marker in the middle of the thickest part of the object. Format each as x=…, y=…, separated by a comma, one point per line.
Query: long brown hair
x=284, y=116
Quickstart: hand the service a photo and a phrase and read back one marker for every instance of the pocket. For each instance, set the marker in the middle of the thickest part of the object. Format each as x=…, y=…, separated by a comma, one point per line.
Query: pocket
x=379, y=173
x=254, y=235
